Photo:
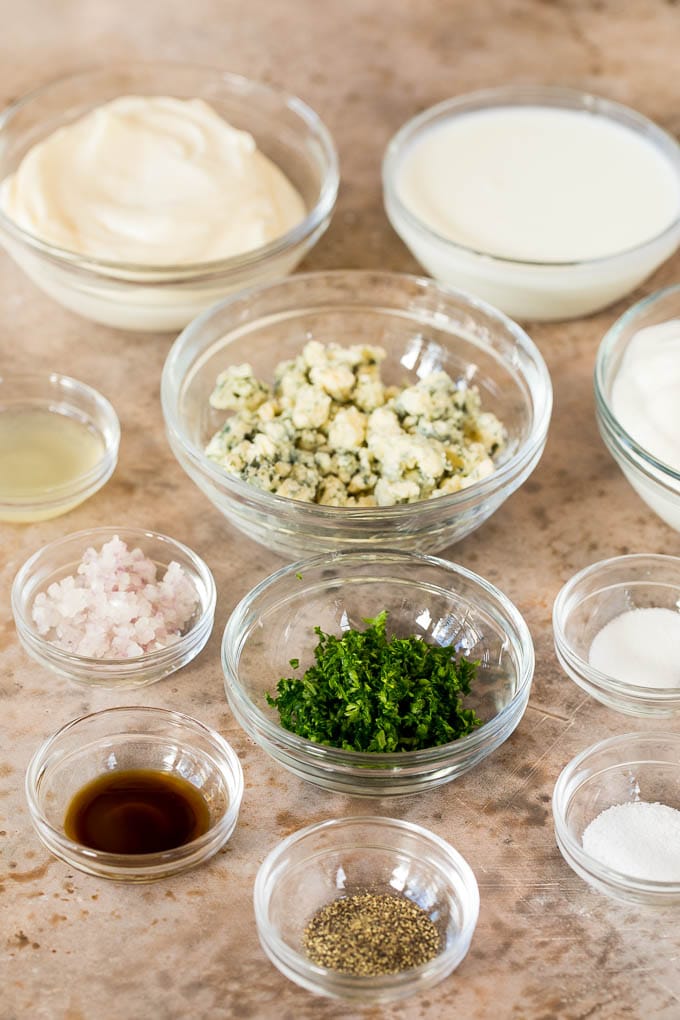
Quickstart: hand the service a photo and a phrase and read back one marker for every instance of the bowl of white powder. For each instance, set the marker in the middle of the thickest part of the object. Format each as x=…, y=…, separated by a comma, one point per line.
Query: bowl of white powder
x=616, y=626
x=114, y=607
x=616, y=809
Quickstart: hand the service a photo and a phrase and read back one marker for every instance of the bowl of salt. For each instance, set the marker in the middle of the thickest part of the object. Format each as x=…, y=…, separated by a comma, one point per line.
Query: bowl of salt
x=617, y=633
x=616, y=809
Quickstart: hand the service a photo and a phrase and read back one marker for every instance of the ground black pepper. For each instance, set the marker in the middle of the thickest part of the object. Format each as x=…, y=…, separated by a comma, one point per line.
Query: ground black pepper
x=367, y=934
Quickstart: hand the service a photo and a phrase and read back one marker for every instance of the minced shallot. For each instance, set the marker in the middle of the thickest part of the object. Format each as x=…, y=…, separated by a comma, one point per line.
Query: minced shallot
x=115, y=608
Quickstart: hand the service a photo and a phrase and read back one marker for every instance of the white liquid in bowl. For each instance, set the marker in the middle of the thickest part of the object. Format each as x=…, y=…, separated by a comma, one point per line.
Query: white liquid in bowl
x=549, y=209
x=539, y=184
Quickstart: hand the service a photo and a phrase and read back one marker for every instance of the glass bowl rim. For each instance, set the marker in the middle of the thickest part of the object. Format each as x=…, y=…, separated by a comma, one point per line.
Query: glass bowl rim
x=503, y=95
x=562, y=609
x=194, y=271
x=273, y=732
x=540, y=399
x=562, y=796
x=88, y=537
x=232, y=777
x=467, y=889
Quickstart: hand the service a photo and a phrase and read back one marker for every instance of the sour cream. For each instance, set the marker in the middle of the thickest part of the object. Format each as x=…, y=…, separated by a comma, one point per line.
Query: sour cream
x=645, y=395
x=539, y=184
x=151, y=181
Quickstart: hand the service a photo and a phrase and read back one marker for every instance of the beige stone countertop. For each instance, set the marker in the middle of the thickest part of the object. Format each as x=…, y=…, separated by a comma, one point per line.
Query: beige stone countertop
x=77, y=948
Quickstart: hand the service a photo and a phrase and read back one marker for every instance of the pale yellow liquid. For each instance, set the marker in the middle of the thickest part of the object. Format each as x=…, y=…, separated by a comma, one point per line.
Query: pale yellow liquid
x=39, y=451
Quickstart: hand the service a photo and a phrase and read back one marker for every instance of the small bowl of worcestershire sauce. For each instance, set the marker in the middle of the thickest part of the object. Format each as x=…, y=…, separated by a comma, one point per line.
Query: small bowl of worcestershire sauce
x=134, y=794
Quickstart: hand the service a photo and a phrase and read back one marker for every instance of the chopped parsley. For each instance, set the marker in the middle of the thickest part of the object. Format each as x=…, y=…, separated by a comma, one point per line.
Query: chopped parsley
x=368, y=692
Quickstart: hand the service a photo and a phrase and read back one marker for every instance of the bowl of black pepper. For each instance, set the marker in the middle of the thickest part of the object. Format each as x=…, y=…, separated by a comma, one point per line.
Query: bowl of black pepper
x=377, y=674
x=368, y=909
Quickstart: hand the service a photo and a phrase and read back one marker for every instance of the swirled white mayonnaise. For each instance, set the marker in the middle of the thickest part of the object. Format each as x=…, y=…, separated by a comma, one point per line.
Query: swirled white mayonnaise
x=646, y=391
x=151, y=180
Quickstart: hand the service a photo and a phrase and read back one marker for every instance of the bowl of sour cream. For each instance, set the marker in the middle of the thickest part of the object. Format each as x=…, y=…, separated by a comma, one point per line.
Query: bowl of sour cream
x=637, y=397
x=139, y=195
x=547, y=202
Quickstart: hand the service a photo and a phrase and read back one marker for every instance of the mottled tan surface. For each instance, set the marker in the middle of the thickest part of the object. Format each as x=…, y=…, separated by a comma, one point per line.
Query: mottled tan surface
x=546, y=945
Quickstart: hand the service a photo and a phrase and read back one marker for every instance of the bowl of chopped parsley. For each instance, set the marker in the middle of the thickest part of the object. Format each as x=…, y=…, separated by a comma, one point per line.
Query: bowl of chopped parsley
x=377, y=673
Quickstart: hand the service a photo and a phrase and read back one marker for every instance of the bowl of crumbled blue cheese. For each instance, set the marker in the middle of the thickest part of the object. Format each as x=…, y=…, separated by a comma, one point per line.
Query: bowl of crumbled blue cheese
x=356, y=410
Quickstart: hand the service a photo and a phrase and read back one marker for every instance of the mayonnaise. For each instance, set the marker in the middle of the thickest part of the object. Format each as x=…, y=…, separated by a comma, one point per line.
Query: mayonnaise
x=645, y=396
x=151, y=180
x=539, y=183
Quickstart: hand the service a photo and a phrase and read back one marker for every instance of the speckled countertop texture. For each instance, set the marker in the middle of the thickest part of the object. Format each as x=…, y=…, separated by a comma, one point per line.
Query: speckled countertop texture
x=76, y=948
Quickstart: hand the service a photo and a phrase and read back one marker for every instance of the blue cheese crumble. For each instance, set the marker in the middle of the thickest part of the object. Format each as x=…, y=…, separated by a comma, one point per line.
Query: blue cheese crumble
x=329, y=431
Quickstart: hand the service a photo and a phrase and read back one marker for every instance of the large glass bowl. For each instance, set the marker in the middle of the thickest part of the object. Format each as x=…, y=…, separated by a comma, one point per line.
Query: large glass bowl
x=167, y=297
x=424, y=328
x=656, y=482
x=342, y=857
x=438, y=601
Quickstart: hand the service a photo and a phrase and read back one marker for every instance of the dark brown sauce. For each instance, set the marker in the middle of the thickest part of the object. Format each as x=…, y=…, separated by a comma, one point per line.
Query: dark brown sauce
x=137, y=811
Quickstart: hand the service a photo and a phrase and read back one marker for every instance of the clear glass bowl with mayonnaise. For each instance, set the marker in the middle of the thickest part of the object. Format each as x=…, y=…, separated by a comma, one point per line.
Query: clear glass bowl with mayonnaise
x=422, y=329
x=549, y=203
x=138, y=195
x=637, y=397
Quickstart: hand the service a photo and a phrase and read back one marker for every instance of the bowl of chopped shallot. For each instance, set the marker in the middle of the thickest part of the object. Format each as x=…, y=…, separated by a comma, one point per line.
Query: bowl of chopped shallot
x=114, y=607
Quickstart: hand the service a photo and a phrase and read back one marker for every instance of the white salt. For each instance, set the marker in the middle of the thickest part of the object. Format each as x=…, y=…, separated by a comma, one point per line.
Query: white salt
x=115, y=608
x=641, y=647
x=639, y=839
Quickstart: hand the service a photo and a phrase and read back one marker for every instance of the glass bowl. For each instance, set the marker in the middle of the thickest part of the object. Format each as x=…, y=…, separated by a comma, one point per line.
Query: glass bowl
x=342, y=857
x=82, y=405
x=133, y=738
x=423, y=328
x=167, y=297
x=430, y=598
x=657, y=483
x=619, y=770
x=528, y=289
x=599, y=594
x=61, y=558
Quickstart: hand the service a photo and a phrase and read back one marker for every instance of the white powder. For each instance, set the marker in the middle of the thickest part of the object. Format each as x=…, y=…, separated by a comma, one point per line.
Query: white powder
x=640, y=647
x=640, y=839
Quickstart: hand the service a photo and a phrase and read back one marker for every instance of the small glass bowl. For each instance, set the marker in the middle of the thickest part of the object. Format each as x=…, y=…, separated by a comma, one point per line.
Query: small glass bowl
x=525, y=289
x=619, y=770
x=423, y=328
x=61, y=558
x=594, y=597
x=430, y=598
x=657, y=483
x=167, y=297
x=133, y=738
x=341, y=857
x=58, y=394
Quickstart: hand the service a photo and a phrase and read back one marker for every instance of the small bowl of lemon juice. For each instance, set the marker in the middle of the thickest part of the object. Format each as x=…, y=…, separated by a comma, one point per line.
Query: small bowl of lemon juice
x=58, y=445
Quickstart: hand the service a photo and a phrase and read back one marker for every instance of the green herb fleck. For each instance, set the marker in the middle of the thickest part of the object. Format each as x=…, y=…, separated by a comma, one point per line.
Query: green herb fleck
x=368, y=692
